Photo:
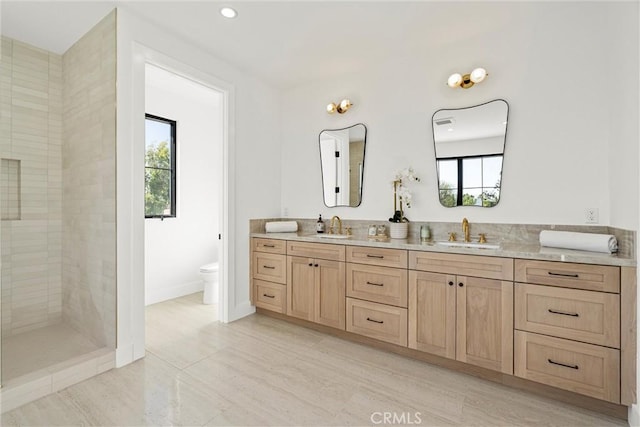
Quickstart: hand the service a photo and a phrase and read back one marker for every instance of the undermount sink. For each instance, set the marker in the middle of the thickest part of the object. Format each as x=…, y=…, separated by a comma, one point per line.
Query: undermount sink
x=333, y=236
x=473, y=245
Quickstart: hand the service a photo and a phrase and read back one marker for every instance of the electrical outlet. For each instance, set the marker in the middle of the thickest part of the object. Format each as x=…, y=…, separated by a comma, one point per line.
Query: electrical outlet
x=591, y=216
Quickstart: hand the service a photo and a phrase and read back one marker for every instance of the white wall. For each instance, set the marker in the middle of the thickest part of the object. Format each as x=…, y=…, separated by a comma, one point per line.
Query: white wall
x=622, y=59
x=175, y=248
x=569, y=73
x=253, y=174
x=624, y=134
x=548, y=61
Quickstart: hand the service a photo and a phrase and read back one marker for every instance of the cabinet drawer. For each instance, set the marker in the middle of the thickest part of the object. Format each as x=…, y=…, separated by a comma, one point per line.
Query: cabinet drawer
x=272, y=296
x=378, y=284
x=379, y=321
x=377, y=256
x=588, y=316
x=316, y=250
x=273, y=246
x=464, y=265
x=569, y=275
x=270, y=267
x=581, y=368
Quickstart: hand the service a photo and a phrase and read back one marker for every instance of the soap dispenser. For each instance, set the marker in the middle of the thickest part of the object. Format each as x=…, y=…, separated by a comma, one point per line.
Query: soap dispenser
x=320, y=225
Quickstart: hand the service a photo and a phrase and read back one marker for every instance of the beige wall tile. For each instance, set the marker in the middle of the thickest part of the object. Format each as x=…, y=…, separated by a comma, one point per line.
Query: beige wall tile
x=88, y=177
x=32, y=83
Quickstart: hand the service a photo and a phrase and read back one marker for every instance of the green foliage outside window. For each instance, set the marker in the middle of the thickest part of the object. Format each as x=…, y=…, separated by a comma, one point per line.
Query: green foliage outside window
x=157, y=180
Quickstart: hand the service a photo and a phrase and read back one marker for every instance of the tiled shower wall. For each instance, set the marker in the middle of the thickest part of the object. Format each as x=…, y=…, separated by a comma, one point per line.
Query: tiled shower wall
x=31, y=186
x=57, y=179
x=89, y=189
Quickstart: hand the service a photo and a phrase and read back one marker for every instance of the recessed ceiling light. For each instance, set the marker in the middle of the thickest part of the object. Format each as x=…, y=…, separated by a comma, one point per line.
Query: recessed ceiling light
x=228, y=12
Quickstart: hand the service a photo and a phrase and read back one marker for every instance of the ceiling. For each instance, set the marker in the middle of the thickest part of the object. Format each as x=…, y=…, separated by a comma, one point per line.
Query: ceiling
x=286, y=44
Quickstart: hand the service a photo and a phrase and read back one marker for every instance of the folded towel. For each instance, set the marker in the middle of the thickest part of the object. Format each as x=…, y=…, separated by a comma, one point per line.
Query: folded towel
x=606, y=243
x=281, y=227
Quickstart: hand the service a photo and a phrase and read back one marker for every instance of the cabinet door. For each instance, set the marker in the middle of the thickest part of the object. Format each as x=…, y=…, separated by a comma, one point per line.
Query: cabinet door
x=300, y=287
x=485, y=323
x=330, y=293
x=432, y=313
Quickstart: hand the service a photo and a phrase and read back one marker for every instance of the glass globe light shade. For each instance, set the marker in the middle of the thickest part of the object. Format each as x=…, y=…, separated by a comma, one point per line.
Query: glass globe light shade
x=478, y=75
x=228, y=12
x=331, y=108
x=345, y=104
x=454, y=80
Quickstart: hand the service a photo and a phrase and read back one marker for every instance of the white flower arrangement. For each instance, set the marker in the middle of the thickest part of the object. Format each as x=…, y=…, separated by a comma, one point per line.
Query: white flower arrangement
x=401, y=193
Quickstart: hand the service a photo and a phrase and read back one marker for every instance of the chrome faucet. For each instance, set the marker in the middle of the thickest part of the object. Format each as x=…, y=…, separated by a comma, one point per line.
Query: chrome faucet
x=465, y=230
x=335, y=217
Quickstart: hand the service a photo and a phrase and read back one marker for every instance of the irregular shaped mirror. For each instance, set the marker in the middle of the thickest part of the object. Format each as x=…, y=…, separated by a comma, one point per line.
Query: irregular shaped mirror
x=342, y=165
x=469, y=144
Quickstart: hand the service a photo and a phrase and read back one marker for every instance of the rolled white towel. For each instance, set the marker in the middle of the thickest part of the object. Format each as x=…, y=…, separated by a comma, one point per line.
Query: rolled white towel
x=606, y=243
x=281, y=227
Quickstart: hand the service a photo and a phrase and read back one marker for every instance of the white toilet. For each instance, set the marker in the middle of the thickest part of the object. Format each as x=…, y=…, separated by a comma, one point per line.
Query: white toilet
x=209, y=275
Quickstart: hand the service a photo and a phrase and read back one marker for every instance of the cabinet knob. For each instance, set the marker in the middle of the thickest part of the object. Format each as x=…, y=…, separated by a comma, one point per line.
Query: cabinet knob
x=450, y=283
x=461, y=284
x=315, y=265
x=310, y=264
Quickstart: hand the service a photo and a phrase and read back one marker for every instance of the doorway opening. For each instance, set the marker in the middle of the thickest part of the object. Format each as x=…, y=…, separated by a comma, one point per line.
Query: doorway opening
x=184, y=215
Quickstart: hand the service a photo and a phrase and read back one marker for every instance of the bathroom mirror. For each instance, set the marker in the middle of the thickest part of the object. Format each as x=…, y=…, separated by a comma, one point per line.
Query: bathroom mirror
x=342, y=165
x=469, y=145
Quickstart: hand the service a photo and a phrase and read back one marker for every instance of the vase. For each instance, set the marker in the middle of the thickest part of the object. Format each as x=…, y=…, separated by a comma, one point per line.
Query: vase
x=398, y=230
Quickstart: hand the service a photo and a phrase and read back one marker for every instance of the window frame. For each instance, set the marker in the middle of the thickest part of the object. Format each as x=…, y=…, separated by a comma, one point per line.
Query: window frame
x=459, y=193
x=172, y=145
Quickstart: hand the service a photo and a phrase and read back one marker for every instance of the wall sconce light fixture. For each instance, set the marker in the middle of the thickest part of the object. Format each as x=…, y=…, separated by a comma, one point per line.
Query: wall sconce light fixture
x=341, y=108
x=467, y=80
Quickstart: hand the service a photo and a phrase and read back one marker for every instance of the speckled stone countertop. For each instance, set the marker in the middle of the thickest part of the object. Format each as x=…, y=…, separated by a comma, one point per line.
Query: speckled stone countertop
x=506, y=250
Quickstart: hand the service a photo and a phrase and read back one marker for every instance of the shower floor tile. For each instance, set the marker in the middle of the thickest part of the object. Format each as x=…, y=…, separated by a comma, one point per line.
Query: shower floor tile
x=40, y=349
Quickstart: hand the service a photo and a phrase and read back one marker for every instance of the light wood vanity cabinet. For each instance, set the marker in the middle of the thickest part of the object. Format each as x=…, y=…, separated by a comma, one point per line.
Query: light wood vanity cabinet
x=462, y=317
x=568, y=325
x=587, y=316
x=377, y=293
x=567, y=321
x=380, y=321
x=377, y=284
x=269, y=274
x=382, y=257
x=316, y=283
x=432, y=313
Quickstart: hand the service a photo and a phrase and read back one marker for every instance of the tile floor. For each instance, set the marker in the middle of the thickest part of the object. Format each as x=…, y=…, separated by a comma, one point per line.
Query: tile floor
x=262, y=371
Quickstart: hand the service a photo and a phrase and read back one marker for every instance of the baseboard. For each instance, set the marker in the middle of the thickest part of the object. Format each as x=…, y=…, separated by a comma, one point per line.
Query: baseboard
x=153, y=296
x=634, y=416
x=124, y=355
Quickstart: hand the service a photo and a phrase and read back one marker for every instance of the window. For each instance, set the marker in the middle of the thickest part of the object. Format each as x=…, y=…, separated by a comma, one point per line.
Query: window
x=160, y=167
x=470, y=181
